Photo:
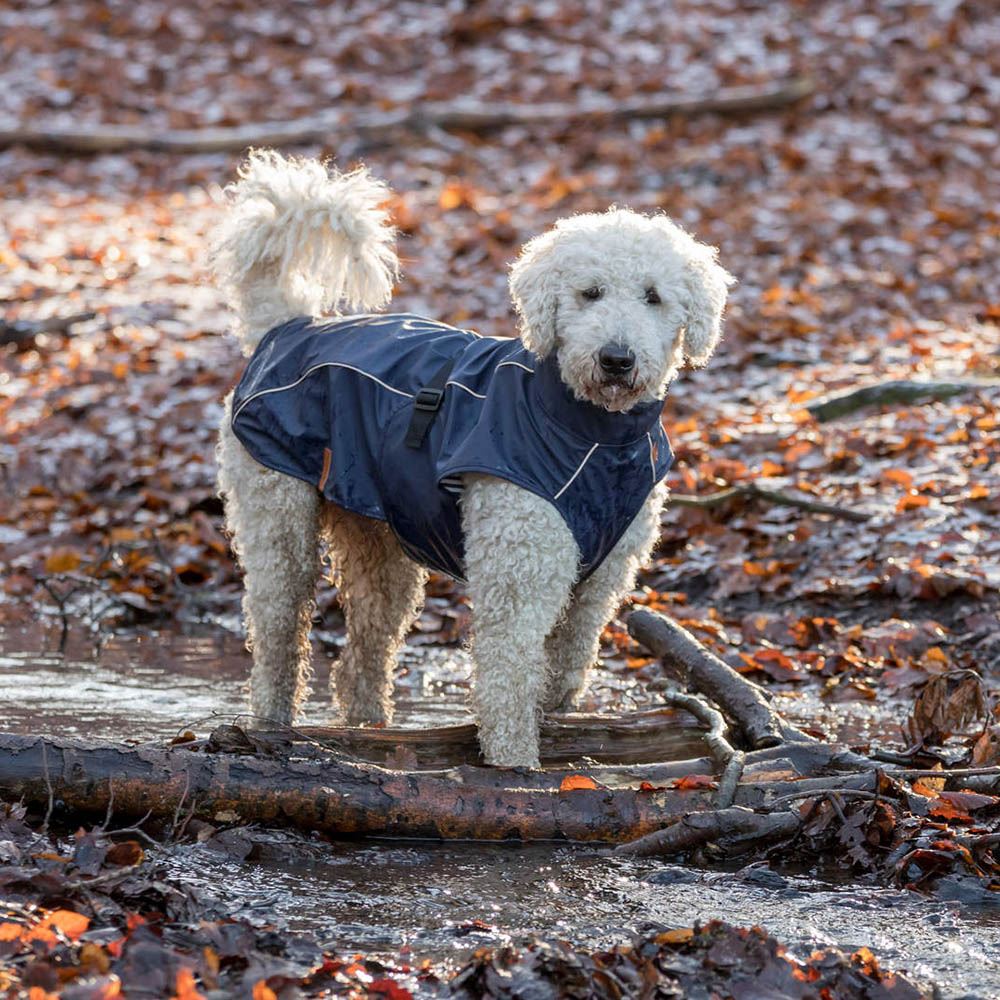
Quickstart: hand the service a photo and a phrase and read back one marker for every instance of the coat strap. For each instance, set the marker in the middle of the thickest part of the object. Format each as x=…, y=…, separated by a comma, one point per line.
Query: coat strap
x=426, y=404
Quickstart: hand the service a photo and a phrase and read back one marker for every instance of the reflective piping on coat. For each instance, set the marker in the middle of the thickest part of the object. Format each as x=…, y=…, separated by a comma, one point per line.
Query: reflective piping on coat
x=515, y=364
x=579, y=469
x=316, y=368
x=471, y=392
x=652, y=456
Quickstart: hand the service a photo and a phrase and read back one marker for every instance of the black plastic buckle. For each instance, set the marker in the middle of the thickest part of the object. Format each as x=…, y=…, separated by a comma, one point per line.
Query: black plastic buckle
x=428, y=399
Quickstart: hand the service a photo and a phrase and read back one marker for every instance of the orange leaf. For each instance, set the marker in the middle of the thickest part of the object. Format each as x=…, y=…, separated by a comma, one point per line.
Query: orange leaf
x=62, y=561
x=575, y=782
x=261, y=991
x=797, y=451
x=690, y=782
x=679, y=936
x=185, y=987
x=769, y=468
x=898, y=476
x=910, y=502
x=944, y=809
x=10, y=932
x=72, y=924
x=936, y=655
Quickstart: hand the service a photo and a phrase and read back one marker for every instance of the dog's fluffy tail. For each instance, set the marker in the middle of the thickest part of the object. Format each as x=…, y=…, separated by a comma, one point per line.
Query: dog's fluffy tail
x=300, y=239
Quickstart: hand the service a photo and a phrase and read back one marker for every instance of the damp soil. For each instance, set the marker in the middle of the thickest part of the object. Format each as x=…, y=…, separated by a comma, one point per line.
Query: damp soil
x=443, y=901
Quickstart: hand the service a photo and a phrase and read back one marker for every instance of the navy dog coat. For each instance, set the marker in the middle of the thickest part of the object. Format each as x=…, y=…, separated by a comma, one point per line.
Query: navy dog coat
x=330, y=402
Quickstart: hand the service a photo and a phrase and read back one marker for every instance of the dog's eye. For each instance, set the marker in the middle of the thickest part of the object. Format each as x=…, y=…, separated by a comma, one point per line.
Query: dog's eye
x=593, y=293
x=653, y=297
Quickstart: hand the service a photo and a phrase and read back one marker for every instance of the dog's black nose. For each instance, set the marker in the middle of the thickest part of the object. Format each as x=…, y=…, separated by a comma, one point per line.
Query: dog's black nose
x=616, y=359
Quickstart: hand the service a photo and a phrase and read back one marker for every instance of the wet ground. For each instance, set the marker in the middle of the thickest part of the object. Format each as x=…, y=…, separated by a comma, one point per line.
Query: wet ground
x=443, y=901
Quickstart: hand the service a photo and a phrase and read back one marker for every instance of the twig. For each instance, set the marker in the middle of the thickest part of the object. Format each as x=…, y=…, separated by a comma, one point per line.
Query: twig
x=755, y=492
x=465, y=115
x=893, y=391
x=730, y=781
x=954, y=772
x=815, y=793
x=111, y=804
x=180, y=805
x=715, y=736
x=48, y=785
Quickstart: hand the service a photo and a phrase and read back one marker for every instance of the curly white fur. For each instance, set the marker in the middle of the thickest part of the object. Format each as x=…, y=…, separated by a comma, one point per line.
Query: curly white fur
x=661, y=293
x=300, y=241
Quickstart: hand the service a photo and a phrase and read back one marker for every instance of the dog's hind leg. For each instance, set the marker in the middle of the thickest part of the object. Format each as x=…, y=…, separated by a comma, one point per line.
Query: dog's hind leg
x=521, y=562
x=573, y=645
x=381, y=591
x=274, y=522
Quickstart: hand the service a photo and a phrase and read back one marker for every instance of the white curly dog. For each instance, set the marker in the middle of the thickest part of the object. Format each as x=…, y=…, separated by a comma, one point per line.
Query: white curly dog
x=620, y=300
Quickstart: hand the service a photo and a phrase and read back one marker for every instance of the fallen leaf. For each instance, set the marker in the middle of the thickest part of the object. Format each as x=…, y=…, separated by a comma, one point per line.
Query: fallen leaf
x=576, y=782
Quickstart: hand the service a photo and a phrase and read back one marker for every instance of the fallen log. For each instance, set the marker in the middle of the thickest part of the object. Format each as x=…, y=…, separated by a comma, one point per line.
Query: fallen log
x=324, y=793
x=894, y=391
x=634, y=738
x=465, y=115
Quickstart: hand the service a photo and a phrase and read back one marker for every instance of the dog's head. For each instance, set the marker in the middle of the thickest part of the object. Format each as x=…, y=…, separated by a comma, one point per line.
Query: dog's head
x=623, y=300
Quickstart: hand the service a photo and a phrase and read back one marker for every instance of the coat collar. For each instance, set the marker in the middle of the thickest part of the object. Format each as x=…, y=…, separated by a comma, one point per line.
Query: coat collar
x=585, y=419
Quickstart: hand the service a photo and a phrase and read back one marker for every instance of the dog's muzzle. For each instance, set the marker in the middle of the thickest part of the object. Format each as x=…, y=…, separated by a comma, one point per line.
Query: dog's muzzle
x=617, y=365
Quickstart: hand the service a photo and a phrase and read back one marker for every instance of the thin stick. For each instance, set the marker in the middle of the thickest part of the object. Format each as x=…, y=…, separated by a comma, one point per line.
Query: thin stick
x=815, y=793
x=48, y=785
x=755, y=492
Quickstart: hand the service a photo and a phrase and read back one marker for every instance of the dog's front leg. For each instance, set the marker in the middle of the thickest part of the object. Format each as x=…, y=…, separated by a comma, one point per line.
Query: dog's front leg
x=573, y=646
x=521, y=563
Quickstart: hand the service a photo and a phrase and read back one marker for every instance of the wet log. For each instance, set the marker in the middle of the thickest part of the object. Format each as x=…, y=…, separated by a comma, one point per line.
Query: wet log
x=324, y=792
x=633, y=738
x=465, y=115
x=741, y=700
x=236, y=777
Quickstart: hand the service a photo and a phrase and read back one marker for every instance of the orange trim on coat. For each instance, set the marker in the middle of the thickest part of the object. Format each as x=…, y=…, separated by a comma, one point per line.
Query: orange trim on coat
x=327, y=459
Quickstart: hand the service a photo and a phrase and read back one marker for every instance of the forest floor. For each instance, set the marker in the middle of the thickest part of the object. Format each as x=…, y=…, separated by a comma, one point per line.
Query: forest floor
x=862, y=226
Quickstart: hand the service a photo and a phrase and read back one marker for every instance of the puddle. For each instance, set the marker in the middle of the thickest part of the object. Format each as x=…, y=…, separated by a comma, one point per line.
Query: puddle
x=434, y=899
x=379, y=897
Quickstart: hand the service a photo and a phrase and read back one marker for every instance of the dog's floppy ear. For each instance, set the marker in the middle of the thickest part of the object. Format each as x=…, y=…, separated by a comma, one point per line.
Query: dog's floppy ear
x=534, y=287
x=706, y=286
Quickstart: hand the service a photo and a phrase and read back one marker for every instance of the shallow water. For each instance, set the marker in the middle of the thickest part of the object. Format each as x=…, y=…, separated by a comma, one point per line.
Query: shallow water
x=444, y=900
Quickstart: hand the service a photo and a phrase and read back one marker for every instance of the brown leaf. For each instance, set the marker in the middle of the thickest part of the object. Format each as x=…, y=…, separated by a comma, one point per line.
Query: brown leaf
x=949, y=703
x=127, y=853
